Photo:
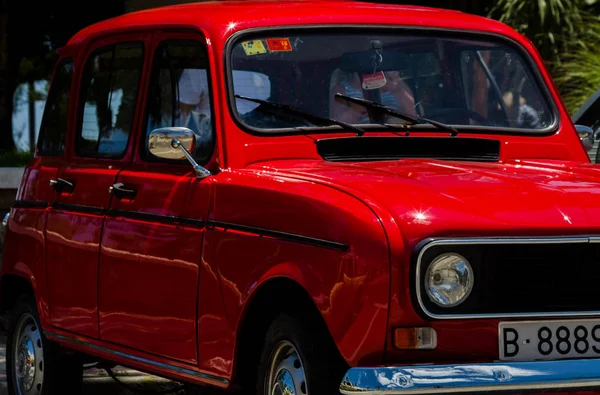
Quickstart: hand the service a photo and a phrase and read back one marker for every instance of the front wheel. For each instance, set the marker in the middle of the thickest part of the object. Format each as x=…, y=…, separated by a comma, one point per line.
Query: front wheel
x=34, y=365
x=296, y=361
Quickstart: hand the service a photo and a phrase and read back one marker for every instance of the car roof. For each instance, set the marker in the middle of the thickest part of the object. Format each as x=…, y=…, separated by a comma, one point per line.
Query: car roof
x=226, y=17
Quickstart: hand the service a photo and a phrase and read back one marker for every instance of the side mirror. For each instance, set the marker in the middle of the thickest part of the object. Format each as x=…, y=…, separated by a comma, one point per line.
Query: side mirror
x=175, y=143
x=586, y=136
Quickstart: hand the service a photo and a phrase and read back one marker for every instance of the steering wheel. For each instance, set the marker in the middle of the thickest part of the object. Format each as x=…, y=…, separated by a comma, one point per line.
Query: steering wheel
x=460, y=110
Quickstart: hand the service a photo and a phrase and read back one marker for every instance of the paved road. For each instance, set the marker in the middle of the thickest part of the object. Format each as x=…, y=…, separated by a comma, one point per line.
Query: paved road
x=97, y=382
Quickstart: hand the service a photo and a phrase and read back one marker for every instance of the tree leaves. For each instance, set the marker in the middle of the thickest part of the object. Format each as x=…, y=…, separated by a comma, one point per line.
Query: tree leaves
x=567, y=33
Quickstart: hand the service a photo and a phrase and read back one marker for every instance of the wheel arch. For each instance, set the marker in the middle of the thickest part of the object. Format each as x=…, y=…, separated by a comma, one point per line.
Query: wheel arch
x=12, y=288
x=264, y=304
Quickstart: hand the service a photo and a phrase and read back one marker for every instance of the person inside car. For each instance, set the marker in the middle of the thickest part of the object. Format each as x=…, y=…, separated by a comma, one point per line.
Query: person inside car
x=520, y=113
x=395, y=94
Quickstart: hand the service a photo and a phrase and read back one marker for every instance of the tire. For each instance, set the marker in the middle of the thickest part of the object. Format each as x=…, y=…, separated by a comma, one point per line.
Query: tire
x=51, y=370
x=297, y=360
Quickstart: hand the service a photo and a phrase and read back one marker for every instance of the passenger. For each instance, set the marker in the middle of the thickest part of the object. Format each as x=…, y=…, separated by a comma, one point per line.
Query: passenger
x=194, y=104
x=520, y=113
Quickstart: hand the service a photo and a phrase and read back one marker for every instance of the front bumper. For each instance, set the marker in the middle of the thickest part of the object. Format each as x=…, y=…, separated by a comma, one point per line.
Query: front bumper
x=540, y=376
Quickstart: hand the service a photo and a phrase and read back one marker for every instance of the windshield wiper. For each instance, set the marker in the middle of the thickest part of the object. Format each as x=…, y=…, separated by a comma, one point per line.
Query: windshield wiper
x=414, y=120
x=312, y=118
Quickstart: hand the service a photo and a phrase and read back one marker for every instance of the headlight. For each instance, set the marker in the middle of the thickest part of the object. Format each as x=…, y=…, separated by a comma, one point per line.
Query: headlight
x=449, y=280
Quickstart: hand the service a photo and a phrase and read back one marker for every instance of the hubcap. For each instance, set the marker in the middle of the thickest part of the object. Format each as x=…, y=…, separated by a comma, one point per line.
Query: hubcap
x=28, y=356
x=286, y=372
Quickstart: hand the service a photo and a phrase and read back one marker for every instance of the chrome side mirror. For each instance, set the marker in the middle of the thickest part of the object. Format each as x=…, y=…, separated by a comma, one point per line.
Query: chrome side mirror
x=175, y=143
x=586, y=136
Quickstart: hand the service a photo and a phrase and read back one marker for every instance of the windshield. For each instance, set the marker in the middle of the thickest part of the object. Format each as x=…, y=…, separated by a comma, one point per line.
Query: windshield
x=458, y=81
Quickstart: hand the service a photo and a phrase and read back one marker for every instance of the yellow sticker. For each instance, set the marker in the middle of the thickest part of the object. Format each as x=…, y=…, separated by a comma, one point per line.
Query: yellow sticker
x=254, y=47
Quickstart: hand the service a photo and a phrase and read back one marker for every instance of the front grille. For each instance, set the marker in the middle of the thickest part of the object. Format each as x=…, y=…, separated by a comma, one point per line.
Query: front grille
x=526, y=278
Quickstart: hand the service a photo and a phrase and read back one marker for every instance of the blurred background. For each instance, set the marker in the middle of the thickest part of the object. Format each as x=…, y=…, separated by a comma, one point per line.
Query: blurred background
x=566, y=32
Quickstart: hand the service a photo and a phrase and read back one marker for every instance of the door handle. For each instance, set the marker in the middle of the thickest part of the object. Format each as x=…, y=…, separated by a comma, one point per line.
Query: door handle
x=60, y=183
x=121, y=192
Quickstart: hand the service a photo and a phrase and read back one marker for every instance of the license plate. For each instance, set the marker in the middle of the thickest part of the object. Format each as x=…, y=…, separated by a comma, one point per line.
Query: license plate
x=548, y=340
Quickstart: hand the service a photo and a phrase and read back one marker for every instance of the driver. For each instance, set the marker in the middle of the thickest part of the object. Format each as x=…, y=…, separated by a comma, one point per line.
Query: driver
x=394, y=94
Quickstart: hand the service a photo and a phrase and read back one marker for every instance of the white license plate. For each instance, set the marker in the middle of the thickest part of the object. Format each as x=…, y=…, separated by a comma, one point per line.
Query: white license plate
x=547, y=340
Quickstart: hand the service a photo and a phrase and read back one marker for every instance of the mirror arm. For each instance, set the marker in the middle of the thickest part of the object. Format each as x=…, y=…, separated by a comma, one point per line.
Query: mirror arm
x=201, y=172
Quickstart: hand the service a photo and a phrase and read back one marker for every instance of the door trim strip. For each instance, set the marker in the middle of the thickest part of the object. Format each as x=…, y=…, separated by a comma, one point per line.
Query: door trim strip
x=29, y=204
x=259, y=232
x=156, y=217
x=334, y=245
x=78, y=208
x=161, y=365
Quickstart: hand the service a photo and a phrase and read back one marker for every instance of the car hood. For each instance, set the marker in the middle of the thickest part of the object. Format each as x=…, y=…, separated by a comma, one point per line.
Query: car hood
x=439, y=198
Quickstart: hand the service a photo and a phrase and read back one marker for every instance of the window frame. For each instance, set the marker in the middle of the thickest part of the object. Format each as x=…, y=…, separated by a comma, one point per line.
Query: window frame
x=60, y=63
x=283, y=31
x=162, y=38
x=101, y=46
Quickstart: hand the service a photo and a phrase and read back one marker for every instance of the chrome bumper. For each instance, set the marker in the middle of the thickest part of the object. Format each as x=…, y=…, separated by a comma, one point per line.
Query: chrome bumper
x=538, y=376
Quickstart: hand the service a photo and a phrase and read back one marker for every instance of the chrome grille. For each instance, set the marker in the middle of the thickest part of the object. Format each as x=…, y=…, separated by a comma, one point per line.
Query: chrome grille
x=513, y=277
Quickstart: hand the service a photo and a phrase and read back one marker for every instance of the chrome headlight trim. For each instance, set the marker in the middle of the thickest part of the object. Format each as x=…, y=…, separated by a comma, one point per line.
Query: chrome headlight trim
x=431, y=242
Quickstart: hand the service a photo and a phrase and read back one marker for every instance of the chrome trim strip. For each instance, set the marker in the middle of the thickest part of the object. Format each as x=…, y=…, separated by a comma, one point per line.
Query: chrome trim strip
x=499, y=240
x=473, y=378
x=173, y=368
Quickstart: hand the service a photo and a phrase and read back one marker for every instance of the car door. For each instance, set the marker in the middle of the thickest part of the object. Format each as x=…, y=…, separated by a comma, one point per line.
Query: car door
x=105, y=115
x=25, y=243
x=152, y=241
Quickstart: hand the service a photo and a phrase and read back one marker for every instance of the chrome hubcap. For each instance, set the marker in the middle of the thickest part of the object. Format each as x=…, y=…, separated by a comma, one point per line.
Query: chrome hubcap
x=286, y=371
x=28, y=356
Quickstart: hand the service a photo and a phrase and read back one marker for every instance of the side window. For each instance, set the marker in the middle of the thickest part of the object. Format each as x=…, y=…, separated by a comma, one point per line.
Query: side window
x=251, y=84
x=109, y=93
x=51, y=140
x=179, y=94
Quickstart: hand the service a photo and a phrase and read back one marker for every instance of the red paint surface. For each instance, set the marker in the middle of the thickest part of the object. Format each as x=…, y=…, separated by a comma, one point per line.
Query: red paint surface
x=72, y=246
x=148, y=275
x=177, y=293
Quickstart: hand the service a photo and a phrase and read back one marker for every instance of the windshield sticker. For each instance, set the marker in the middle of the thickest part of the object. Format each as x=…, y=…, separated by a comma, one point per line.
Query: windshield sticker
x=279, y=44
x=254, y=47
x=373, y=81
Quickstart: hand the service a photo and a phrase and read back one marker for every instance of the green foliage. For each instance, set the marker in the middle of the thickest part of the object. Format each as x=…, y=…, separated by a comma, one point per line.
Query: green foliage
x=566, y=33
x=578, y=76
x=554, y=26
x=15, y=158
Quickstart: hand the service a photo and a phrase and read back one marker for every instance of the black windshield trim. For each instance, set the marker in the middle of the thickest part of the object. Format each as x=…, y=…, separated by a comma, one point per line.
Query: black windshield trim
x=486, y=130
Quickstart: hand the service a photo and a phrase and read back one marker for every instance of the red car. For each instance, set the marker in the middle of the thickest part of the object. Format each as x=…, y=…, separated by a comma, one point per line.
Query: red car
x=304, y=198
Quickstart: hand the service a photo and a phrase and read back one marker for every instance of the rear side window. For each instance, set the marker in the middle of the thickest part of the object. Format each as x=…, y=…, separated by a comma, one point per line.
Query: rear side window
x=109, y=93
x=51, y=140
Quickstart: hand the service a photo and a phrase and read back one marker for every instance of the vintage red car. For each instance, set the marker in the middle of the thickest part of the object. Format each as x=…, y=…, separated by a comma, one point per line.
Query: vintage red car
x=306, y=197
